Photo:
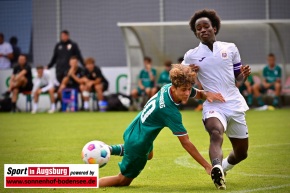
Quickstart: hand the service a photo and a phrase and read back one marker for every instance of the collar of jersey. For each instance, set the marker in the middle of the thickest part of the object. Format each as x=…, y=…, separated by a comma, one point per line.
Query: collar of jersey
x=170, y=96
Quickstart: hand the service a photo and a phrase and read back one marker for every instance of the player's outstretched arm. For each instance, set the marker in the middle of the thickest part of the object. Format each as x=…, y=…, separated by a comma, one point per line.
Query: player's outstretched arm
x=191, y=149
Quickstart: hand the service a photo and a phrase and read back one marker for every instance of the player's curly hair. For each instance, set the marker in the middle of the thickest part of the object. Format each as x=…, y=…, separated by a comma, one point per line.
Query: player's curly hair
x=181, y=75
x=208, y=13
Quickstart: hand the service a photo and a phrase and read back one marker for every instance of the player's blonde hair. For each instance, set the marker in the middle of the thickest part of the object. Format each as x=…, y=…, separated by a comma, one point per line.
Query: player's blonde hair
x=182, y=75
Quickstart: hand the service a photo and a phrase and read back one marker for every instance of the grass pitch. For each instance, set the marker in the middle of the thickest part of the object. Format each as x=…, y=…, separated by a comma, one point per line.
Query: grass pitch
x=59, y=138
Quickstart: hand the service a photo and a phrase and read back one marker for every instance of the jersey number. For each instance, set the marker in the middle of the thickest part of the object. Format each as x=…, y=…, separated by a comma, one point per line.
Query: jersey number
x=148, y=109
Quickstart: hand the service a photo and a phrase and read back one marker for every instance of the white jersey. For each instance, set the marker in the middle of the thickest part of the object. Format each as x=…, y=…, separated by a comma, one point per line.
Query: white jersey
x=5, y=49
x=45, y=82
x=216, y=73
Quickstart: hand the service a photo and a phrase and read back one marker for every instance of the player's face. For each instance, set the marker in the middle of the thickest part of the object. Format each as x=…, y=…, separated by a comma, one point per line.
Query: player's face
x=64, y=37
x=90, y=66
x=147, y=64
x=168, y=68
x=271, y=61
x=73, y=63
x=204, y=30
x=183, y=93
x=21, y=60
x=39, y=72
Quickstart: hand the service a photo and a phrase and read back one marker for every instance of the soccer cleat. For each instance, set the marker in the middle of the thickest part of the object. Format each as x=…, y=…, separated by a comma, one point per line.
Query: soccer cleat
x=33, y=111
x=218, y=177
x=51, y=111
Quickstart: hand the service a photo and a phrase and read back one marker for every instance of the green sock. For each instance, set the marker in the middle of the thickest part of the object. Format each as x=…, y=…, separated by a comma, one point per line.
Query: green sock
x=276, y=101
x=117, y=149
x=250, y=99
x=260, y=101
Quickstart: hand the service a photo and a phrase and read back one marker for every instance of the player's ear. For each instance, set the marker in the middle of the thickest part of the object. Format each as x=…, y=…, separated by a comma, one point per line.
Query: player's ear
x=215, y=30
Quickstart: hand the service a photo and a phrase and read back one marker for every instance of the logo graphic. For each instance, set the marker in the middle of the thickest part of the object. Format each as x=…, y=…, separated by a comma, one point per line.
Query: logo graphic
x=51, y=176
x=201, y=59
x=224, y=54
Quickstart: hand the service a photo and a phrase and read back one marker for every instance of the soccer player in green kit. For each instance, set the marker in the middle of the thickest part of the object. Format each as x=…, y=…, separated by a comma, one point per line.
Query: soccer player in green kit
x=160, y=111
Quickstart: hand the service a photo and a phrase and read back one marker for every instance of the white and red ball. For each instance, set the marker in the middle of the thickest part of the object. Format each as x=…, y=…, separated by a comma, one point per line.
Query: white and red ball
x=96, y=152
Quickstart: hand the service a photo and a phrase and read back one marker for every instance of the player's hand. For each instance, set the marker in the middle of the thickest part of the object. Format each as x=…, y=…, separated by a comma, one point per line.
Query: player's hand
x=210, y=97
x=208, y=169
x=194, y=67
x=246, y=71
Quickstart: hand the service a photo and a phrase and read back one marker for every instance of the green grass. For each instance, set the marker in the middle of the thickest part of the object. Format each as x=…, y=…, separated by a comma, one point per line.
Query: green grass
x=59, y=138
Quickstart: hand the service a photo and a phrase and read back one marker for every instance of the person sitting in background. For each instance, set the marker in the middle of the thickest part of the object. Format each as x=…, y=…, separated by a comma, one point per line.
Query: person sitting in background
x=16, y=50
x=93, y=80
x=6, y=53
x=73, y=78
x=246, y=89
x=271, y=80
x=146, y=82
x=164, y=77
x=20, y=81
x=43, y=83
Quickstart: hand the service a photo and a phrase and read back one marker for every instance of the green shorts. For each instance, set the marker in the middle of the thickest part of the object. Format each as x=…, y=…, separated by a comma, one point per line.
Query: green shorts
x=132, y=164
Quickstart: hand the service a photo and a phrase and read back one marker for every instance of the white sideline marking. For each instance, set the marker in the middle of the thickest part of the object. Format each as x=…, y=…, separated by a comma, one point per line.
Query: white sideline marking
x=261, y=189
x=183, y=161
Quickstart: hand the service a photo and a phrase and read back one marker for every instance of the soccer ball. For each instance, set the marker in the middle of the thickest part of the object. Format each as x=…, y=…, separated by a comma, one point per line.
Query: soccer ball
x=96, y=152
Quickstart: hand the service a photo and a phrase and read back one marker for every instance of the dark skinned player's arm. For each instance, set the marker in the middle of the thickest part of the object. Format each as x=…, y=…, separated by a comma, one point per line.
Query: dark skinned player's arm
x=204, y=95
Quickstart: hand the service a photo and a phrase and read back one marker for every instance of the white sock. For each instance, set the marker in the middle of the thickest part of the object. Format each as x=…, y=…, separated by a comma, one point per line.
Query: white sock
x=226, y=165
x=35, y=106
x=52, y=106
x=86, y=104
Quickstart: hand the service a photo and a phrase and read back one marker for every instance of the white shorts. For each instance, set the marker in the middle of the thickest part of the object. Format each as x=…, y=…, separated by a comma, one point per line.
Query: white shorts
x=234, y=122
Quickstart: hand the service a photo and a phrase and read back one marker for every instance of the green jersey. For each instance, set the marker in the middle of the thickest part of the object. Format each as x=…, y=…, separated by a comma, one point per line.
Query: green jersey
x=145, y=78
x=159, y=112
x=271, y=75
x=164, y=78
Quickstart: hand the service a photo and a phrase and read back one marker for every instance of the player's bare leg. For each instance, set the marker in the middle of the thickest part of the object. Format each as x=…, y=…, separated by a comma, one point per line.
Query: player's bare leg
x=277, y=86
x=52, y=100
x=118, y=180
x=216, y=130
x=239, y=153
x=35, y=100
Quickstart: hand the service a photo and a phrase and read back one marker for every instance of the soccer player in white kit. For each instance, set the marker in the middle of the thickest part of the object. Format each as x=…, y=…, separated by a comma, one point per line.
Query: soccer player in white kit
x=219, y=66
x=43, y=83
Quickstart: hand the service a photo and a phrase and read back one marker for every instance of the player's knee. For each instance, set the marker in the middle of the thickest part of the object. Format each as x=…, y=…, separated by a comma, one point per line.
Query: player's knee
x=216, y=135
x=124, y=181
x=150, y=156
x=134, y=93
x=242, y=155
x=148, y=91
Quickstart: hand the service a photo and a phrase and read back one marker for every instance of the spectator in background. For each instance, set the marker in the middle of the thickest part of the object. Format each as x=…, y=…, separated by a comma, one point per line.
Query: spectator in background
x=180, y=59
x=146, y=81
x=246, y=89
x=43, y=83
x=164, y=77
x=271, y=80
x=6, y=53
x=62, y=53
x=20, y=81
x=16, y=50
x=73, y=77
x=93, y=80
